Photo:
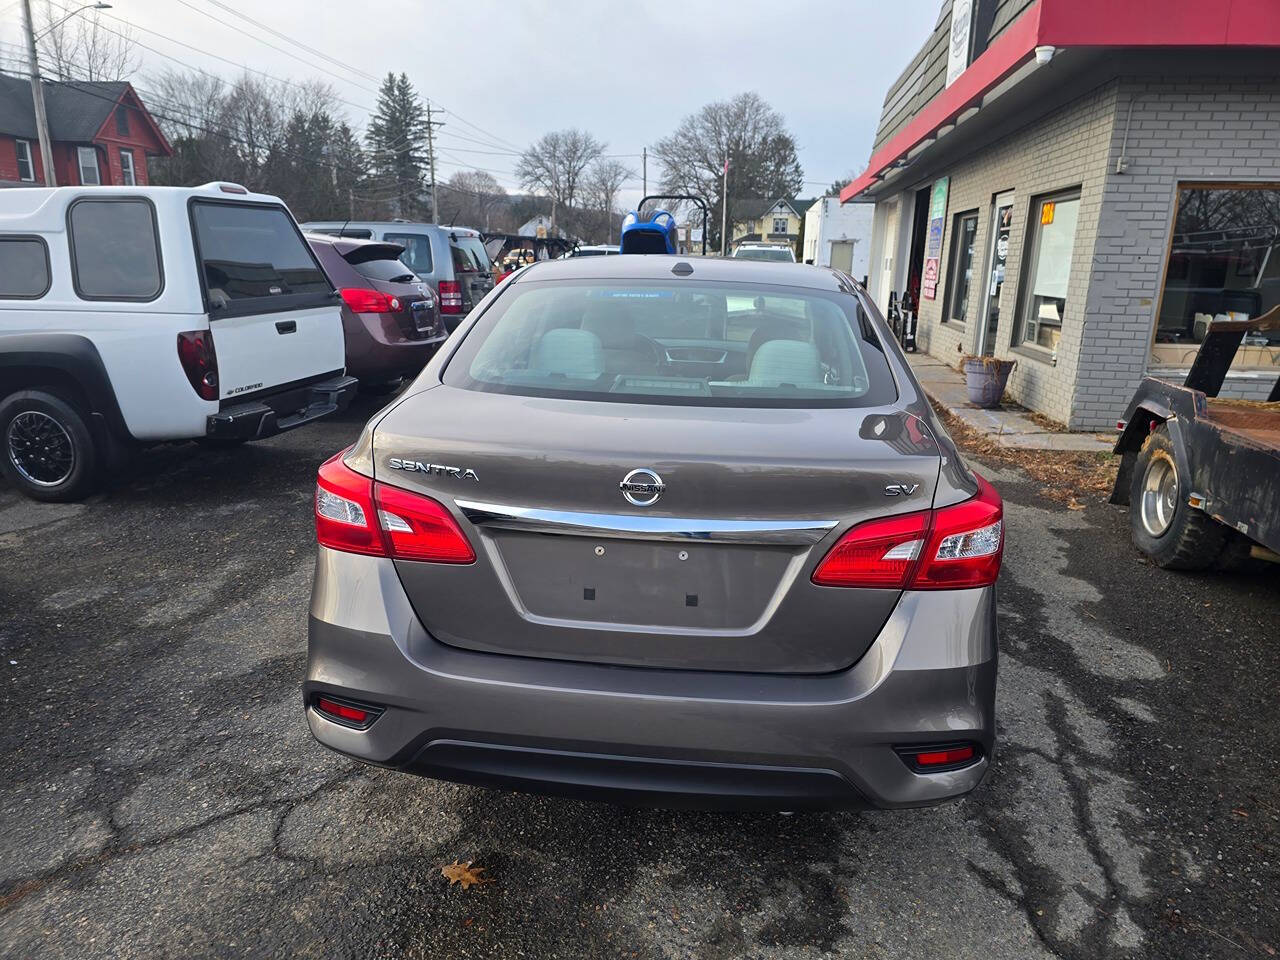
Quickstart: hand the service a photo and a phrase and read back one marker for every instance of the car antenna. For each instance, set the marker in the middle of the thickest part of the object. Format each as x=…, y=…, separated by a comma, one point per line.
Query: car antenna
x=343, y=229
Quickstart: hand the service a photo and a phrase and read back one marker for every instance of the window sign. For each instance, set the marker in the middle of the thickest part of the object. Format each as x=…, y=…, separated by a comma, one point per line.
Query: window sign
x=933, y=239
x=1049, y=269
x=958, y=44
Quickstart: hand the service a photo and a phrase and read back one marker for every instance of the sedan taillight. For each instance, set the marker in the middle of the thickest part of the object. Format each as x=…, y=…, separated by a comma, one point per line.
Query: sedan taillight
x=946, y=549
x=354, y=514
x=362, y=300
x=450, y=296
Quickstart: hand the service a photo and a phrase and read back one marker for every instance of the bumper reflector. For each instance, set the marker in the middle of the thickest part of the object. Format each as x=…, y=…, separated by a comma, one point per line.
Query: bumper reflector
x=936, y=758
x=347, y=713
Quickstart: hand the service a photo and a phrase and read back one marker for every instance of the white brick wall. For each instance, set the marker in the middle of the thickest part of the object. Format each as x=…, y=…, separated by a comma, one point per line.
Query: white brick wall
x=1065, y=149
x=1181, y=129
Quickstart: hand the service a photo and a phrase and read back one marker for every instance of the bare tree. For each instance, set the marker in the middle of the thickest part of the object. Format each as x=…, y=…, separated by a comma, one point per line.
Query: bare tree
x=747, y=132
x=471, y=197
x=604, y=181
x=83, y=48
x=556, y=164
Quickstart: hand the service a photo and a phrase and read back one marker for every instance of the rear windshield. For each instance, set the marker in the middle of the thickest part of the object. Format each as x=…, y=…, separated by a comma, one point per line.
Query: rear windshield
x=390, y=271
x=469, y=255
x=254, y=258
x=761, y=253
x=417, y=251
x=705, y=344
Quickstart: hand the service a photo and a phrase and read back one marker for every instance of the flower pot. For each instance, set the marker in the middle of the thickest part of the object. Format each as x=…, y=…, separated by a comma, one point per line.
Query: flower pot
x=986, y=378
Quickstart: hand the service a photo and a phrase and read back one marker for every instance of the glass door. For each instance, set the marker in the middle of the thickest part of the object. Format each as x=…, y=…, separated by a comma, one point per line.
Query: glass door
x=997, y=258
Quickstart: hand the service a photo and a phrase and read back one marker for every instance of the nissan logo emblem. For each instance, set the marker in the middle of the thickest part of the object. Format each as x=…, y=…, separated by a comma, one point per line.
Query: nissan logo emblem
x=642, y=487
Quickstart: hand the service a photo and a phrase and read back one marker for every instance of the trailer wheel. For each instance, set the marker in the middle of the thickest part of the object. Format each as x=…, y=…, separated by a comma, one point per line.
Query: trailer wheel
x=1165, y=527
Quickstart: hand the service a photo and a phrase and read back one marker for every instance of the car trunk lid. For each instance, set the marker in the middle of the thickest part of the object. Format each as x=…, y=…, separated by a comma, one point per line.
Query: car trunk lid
x=713, y=574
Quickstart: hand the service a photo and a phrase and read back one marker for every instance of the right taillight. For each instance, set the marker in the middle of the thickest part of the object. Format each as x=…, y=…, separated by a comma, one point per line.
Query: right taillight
x=356, y=515
x=946, y=549
x=199, y=362
x=450, y=296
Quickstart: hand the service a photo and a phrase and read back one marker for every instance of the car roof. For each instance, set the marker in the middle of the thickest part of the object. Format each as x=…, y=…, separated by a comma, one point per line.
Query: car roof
x=344, y=245
x=639, y=266
x=314, y=225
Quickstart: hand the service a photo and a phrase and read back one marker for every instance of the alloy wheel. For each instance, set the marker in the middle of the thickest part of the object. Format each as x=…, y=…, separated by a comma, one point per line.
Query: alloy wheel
x=40, y=448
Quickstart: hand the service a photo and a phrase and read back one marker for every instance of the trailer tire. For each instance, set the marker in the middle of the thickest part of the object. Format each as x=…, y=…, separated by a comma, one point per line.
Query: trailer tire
x=1164, y=526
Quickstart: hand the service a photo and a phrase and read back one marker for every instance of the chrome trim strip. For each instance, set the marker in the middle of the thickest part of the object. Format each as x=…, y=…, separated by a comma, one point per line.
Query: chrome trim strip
x=626, y=526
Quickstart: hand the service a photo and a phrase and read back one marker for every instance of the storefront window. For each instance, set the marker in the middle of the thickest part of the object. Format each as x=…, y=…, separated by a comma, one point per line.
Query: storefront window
x=1224, y=261
x=1053, y=236
x=960, y=280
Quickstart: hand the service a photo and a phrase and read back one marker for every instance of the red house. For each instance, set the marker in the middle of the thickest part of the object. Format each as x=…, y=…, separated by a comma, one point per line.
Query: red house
x=101, y=133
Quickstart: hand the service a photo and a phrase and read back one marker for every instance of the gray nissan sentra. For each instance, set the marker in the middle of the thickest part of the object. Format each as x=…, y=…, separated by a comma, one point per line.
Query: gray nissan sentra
x=664, y=531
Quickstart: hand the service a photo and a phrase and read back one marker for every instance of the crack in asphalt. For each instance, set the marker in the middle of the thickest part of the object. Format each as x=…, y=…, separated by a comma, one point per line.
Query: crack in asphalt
x=26, y=886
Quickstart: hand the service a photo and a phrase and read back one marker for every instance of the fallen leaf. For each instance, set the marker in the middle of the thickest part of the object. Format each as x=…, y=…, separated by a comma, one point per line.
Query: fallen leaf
x=1240, y=813
x=1075, y=504
x=464, y=874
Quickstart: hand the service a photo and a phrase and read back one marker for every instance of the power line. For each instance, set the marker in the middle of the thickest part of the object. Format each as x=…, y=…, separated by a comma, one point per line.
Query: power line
x=297, y=43
x=188, y=46
x=251, y=36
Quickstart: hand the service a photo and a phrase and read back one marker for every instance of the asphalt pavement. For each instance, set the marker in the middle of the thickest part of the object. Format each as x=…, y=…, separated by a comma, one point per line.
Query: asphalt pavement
x=161, y=796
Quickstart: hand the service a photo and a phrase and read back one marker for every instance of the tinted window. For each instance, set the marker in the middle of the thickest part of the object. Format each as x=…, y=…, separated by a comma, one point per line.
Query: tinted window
x=391, y=271
x=115, y=252
x=253, y=253
x=469, y=255
x=764, y=253
x=661, y=343
x=24, y=268
x=417, y=251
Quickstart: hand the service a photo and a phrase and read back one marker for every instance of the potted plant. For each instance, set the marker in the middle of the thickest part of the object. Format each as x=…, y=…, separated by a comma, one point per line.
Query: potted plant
x=986, y=378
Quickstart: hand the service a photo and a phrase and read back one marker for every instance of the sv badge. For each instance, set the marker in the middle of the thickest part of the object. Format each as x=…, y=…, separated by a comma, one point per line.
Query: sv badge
x=901, y=489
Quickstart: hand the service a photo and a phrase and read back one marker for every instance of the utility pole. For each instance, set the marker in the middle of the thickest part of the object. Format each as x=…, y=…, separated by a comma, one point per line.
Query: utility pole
x=724, y=211
x=37, y=98
x=644, y=165
x=431, y=160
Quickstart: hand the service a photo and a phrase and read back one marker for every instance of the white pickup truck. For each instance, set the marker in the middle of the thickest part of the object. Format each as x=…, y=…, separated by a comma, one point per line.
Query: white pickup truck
x=134, y=315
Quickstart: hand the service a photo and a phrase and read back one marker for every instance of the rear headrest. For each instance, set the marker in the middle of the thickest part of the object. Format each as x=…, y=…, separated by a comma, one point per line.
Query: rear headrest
x=573, y=353
x=615, y=328
x=786, y=361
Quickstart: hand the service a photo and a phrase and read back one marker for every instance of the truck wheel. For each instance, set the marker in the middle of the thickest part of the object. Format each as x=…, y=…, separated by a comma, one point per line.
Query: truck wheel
x=1236, y=556
x=1165, y=527
x=47, y=451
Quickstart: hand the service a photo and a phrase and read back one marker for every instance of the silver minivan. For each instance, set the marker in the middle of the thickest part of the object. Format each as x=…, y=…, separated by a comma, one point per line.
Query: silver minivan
x=662, y=531
x=452, y=259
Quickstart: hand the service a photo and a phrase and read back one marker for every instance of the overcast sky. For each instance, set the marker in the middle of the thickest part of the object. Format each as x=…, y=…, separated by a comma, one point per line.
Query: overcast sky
x=518, y=68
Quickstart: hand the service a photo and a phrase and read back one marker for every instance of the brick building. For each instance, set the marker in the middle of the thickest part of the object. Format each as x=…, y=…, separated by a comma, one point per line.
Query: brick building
x=1081, y=186
x=101, y=134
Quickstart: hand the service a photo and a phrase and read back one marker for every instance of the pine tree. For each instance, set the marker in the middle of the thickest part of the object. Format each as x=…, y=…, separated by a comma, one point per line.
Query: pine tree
x=397, y=139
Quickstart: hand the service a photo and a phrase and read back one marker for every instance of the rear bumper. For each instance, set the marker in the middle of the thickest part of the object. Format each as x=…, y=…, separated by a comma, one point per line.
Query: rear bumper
x=650, y=736
x=267, y=415
x=378, y=348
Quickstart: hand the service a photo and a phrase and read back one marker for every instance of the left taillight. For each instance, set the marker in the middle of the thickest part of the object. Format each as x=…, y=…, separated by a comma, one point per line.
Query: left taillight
x=946, y=549
x=356, y=515
x=199, y=362
x=362, y=300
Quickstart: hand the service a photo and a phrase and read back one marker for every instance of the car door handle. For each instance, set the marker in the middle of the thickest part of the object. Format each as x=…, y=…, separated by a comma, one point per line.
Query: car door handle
x=286, y=326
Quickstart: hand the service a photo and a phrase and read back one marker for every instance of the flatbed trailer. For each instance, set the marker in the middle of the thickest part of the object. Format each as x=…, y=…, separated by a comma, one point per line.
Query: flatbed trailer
x=1200, y=473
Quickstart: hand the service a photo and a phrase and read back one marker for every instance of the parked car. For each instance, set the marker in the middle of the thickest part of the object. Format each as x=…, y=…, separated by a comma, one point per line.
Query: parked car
x=132, y=315
x=665, y=532
x=452, y=259
x=390, y=319
x=776, y=252
x=592, y=250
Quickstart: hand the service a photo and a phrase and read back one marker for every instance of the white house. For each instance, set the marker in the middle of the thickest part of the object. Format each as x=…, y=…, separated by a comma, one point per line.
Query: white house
x=838, y=235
